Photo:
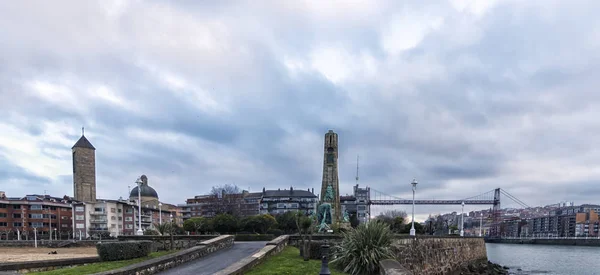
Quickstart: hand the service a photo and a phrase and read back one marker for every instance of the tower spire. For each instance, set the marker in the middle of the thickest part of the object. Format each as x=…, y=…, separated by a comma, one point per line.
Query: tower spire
x=82, y=131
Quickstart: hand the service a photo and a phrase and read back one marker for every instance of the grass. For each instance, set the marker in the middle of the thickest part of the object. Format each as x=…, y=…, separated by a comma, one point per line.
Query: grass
x=289, y=262
x=101, y=266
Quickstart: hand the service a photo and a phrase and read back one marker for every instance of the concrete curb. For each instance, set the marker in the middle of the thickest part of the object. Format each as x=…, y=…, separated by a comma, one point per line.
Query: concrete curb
x=271, y=248
x=169, y=261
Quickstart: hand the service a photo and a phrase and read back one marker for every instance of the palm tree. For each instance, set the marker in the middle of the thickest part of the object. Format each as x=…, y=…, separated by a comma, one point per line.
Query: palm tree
x=362, y=248
x=163, y=228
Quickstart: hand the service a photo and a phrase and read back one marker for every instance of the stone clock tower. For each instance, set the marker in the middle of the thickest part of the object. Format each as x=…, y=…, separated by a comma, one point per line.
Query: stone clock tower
x=330, y=175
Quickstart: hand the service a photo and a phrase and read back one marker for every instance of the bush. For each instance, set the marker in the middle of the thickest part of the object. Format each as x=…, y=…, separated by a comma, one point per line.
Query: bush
x=116, y=251
x=254, y=237
x=275, y=232
x=362, y=248
x=151, y=232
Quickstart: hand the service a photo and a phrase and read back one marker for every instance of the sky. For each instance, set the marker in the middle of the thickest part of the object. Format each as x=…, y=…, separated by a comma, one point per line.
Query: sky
x=464, y=96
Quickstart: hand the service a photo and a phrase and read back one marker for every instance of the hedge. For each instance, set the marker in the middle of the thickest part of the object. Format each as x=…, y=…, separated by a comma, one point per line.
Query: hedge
x=254, y=237
x=116, y=251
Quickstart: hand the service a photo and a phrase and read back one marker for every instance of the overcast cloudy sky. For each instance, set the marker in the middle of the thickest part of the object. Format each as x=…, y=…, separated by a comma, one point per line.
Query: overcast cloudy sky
x=465, y=96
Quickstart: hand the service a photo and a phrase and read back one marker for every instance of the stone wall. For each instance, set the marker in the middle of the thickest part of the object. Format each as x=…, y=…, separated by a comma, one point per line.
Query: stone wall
x=271, y=248
x=47, y=243
x=157, y=265
x=438, y=255
x=45, y=265
x=164, y=242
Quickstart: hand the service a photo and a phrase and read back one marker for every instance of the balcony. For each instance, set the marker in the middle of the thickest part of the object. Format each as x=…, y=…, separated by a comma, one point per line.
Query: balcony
x=98, y=213
x=98, y=221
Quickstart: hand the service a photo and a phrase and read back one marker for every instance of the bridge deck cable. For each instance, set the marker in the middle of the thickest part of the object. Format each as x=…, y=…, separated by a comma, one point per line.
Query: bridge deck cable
x=515, y=199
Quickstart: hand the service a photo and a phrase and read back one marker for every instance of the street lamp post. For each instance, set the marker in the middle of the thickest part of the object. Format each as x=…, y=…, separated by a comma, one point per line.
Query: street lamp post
x=412, y=228
x=139, y=184
x=462, y=223
x=35, y=236
x=160, y=213
x=480, y=224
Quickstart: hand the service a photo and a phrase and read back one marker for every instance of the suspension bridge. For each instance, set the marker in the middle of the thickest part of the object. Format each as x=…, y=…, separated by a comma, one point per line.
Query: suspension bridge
x=492, y=197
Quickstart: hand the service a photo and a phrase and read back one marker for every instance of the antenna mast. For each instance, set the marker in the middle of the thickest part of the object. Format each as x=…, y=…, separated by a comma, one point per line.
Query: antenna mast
x=357, y=156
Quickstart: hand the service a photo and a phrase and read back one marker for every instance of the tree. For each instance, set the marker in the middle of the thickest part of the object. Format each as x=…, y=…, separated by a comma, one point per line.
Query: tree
x=258, y=223
x=194, y=224
x=305, y=228
x=419, y=229
x=226, y=189
x=287, y=222
x=225, y=223
x=394, y=214
x=163, y=228
x=226, y=199
x=394, y=219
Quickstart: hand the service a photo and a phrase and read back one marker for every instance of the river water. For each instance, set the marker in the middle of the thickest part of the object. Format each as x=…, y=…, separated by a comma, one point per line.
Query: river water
x=546, y=259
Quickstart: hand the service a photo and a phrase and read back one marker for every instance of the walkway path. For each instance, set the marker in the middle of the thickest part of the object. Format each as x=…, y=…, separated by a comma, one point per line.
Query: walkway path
x=218, y=260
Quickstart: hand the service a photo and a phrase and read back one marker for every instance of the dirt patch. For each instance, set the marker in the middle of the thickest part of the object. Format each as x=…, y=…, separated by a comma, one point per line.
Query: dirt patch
x=22, y=254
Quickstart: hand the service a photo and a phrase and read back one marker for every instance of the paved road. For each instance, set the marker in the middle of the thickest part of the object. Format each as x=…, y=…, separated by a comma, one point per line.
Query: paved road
x=217, y=261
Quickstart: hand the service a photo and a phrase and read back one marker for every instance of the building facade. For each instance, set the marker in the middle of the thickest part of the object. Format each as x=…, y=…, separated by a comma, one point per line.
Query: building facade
x=277, y=202
x=249, y=204
x=50, y=216
x=358, y=203
x=570, y=221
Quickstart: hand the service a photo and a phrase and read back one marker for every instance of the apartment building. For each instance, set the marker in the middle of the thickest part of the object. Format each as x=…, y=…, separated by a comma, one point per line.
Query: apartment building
x=569, y=221
x=279, y=201
x=357, y=203
x=50, y=216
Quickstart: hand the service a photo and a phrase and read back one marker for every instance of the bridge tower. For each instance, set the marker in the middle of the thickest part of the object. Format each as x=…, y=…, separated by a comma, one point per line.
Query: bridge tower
x=496, y=215
x=330, y=174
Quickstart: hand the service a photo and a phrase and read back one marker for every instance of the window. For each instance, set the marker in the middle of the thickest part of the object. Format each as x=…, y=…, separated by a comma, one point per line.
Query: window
x=119, y=210
x=113, y=225
x=79, y=225
x=2, y=205
x=31, y=198
x=79, y=217
x=16, y=216
x=35, y=216
x=112, y=218
x=79, y=209
x=36, y=224
x=281, y=205
x=120, y=218
x=128, y=211
x=294, y=205
x=64, y=217
x=17, y=224
x=16, y=206
x=3, y=224
x=64, y=225
x=128, y=219
x=129, y=226
x=36, y=207
x=113, y=210
x=97, y=209
x=52, y=217
x=2, y=215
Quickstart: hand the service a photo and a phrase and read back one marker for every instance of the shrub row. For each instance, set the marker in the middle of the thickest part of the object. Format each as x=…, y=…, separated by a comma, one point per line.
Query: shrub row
x=254, y=237
x=116, y=251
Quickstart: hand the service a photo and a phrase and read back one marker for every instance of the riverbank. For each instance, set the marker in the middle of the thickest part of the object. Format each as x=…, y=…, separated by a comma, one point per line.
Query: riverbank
x=481, y=267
